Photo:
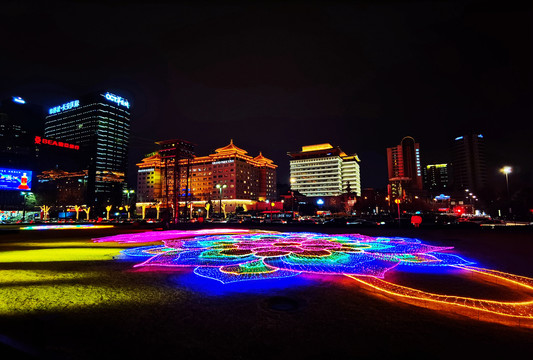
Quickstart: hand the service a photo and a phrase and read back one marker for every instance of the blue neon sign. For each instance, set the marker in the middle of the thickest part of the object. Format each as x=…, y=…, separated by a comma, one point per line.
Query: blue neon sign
x=117, y=99
x=66, y=106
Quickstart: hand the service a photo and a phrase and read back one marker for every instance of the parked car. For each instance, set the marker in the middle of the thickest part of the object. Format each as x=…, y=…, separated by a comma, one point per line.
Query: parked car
x=219, y=221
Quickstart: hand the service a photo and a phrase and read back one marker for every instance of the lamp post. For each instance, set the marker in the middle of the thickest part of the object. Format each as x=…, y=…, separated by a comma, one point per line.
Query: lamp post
x=23, y=193
x=397, y=201
x=507, y=170
x=220, y=187
x=128, y=192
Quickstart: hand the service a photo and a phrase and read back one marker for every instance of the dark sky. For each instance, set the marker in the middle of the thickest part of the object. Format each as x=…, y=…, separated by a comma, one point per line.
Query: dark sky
x=276, y=76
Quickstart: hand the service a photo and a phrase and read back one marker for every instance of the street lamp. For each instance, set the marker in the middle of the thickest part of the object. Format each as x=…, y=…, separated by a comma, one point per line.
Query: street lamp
x=397, y=201
x=507, y=170
x=23, y=193
x=128, y=192
x=220, y=187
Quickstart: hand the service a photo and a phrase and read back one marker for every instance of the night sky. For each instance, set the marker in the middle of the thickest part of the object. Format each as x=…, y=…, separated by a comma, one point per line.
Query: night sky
x=276, y=76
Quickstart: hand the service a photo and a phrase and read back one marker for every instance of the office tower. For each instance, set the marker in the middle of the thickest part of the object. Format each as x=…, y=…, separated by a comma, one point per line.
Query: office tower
x=99, y=123
x=405, y=174
x=469, y=162
x=437, y=178
x=324, y=170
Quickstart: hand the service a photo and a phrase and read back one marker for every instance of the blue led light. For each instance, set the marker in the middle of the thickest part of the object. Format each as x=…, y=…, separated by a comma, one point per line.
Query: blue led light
x=19, y=100
x=66, y=106
x=442, y=197
x=117, y=99
x=459, y=138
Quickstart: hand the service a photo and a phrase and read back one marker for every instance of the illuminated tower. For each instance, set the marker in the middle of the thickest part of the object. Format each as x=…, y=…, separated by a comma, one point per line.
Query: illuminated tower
x=100, y=124
x=405, y=175
x=469, y=162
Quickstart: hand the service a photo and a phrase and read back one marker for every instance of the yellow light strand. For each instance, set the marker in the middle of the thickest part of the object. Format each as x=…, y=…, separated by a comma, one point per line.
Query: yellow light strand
x=491, y=310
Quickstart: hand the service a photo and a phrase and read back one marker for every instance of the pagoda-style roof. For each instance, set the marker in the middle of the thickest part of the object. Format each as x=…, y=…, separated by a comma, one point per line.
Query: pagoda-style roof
x=261, y=159
x=230, y=149
x=150, y=159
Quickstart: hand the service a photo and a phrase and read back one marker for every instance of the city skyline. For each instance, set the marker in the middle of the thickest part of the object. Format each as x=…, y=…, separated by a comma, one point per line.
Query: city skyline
x=360, y=76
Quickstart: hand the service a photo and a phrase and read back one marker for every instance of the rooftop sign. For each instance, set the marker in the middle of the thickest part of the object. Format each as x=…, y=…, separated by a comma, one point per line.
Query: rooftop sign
x=66, y=106
x=116, y=99
x=316, y=147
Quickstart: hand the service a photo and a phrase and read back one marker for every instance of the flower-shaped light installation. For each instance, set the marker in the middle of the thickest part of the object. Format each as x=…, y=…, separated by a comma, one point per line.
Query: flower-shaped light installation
x=232, y=255
x=267, y=255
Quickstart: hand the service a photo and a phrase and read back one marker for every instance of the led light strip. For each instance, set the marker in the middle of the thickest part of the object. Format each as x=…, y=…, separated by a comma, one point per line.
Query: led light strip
x=513, y=313
x=64, y=227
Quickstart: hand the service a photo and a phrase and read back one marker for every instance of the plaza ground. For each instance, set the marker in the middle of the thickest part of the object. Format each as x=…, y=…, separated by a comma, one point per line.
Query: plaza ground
x=64, y=297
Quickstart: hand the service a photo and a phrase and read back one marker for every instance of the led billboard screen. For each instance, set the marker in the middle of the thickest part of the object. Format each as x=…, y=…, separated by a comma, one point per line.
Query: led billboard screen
x=15, y=179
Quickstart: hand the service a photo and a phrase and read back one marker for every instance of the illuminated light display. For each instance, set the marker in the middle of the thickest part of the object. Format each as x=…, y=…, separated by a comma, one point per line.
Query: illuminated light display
x=167, y=236
x=117, y=99
x=40, y=140
x=65, y=227
x=510, y=313
x=66, y=106
x=283, y=254
x=230, y=257
x=15, y=179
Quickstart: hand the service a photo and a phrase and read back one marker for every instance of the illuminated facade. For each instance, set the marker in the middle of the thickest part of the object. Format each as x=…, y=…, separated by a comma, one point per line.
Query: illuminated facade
x=437, y=177
x=405, y=173
x=62, y=188
x=469, y=162
x=324, y=170
x=149, y=179
x=242, y=179
x=99, y=124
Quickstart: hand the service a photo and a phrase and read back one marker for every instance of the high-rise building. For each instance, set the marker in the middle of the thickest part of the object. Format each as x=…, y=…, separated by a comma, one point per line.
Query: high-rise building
x=324, y=170
x=469, y=162
x=20, y=121
x=99, y=124
x=437, y=178
x=229, y=177
x=405, y=174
